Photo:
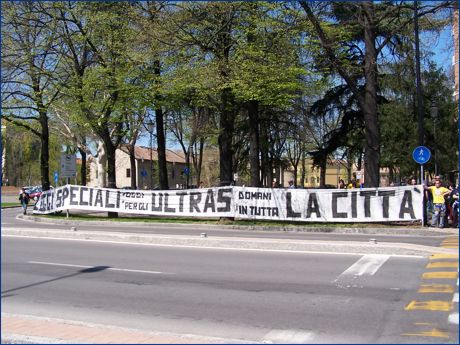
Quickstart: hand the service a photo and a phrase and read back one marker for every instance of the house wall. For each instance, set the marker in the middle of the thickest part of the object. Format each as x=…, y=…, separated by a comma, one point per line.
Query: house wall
x=92, y=178
x=176, y=178
x=334, y=172
x=121, y=164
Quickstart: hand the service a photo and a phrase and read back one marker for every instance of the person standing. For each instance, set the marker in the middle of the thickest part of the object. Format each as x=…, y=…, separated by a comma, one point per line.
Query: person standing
x=438, y=193
x=351, y=184
x=24, y=199
x=341, y=184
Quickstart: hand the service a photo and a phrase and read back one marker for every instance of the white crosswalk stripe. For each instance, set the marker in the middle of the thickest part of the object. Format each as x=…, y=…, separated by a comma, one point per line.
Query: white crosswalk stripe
x=366, y=265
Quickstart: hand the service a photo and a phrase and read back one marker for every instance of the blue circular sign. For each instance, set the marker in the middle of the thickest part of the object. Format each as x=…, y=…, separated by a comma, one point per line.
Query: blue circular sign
x=421, y=154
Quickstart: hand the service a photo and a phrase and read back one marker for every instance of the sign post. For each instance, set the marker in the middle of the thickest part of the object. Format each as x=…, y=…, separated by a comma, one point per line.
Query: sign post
x=68, y=169
x=68, y=165
x=421, y=155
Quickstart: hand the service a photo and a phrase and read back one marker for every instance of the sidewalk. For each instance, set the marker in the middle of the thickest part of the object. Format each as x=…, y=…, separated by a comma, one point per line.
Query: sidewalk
x=22, y=329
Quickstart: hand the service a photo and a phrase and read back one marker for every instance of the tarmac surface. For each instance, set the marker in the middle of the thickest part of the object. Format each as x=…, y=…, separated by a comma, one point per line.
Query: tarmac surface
x=35, y=330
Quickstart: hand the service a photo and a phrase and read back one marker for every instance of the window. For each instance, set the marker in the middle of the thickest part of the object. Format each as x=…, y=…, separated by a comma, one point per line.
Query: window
x=128, y=172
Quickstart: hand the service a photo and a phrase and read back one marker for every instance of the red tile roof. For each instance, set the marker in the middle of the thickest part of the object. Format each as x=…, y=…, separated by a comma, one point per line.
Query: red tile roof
x=141, y=152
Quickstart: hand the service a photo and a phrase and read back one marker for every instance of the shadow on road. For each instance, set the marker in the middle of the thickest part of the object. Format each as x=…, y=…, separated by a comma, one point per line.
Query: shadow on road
x=82, y=271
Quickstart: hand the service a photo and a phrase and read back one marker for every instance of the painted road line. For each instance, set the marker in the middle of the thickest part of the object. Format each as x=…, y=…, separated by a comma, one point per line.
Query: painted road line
x=443, y=264
x=443, y=256
x=453, y=317
x=434, y=332
x=366, y=265
x=429, y=305
x=288, y=336
x=437, y=288
x=440, y=275
x=107, y=268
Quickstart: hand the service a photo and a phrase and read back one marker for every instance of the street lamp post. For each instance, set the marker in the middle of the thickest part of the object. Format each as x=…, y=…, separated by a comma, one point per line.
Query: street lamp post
x=150, y=129
x=434, y=115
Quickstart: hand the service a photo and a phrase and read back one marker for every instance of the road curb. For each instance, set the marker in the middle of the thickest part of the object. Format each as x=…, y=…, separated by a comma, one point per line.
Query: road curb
x=339, y=247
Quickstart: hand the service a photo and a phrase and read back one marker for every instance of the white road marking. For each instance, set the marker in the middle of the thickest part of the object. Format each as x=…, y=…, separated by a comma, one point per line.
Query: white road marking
x=366, y=265
x=288, y=336
x=108, y=268
x=453, y=317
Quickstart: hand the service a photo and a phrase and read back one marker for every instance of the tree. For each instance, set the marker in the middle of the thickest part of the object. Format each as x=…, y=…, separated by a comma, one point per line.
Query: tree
x=366, y=28
x=95, y=38
x=30, y=72
x=150, y=18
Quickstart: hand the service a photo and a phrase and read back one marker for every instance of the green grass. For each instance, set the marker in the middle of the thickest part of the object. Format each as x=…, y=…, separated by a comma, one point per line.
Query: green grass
x=6, y=204
x=249, y=223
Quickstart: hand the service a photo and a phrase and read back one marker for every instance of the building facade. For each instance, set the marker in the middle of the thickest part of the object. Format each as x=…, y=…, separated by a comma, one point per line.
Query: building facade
x=146, y=162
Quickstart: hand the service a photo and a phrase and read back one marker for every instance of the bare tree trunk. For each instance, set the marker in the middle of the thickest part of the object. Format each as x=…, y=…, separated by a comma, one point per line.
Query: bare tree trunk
x=226, y=125
x=161, y=140
x=254, y=162
x=101, y=165
x=44, y=152
x=302, y=176
x=265, y=164
x=132, y=165
x=198, y=161
x=349, y=166
x=83, y=168
x=322, y=175
x=111, y=171
x=372, y=143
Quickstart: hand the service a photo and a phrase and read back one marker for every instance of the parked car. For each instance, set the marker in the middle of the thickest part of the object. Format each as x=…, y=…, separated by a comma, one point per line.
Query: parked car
x=36, y=191
x=27, y=189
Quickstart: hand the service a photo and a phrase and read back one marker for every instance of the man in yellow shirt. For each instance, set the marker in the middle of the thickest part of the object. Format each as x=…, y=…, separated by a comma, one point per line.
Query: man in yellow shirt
x=439, y=206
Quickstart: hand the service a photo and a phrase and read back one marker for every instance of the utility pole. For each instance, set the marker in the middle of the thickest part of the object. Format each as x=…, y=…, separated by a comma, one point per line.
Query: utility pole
x=434, y=115
x=421, y=134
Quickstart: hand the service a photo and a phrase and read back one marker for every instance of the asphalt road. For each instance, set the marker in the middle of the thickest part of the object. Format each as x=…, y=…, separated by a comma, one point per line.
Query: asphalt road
x=9, y=220
x=249, y=295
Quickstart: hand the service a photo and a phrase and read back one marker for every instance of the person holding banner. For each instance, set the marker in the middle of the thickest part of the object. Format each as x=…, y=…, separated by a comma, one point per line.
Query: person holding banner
x=438, y=193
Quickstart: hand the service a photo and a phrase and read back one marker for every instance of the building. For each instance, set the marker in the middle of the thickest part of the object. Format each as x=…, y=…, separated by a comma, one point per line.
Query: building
x=336, y=169
x=146, y=168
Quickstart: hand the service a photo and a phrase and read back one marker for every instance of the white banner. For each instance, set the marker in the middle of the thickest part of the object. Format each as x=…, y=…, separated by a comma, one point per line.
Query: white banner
x=330, y=205
x=213, y=202
x=307, y=205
